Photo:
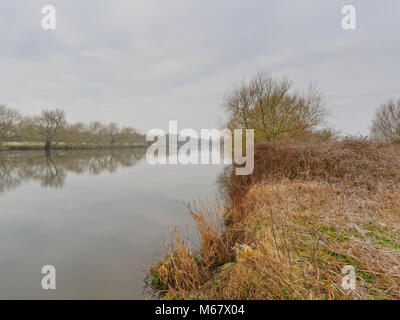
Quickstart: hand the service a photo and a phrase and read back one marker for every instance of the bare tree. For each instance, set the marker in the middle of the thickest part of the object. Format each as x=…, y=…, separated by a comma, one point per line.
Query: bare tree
x=386, y=124
x=9, y=119
x=273, y=109
x=75, y=133
x=96, y=133
x=49, y=124
x=51, y=128
x=126, y=136
x=112, y=132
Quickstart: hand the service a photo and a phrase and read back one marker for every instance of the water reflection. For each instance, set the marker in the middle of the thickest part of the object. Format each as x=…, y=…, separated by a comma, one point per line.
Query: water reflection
x=51, y=169
x=100, y=217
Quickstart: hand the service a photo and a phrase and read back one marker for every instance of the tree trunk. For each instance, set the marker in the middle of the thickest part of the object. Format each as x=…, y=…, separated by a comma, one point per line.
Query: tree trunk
x=47, y=145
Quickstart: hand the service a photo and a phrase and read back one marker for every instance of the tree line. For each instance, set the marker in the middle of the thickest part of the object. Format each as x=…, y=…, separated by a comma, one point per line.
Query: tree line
x=52, y=129
x=278, y=112
x=269, y=106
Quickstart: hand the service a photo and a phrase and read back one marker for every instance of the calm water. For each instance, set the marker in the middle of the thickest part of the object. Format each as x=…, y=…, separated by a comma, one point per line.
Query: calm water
x=99, y=217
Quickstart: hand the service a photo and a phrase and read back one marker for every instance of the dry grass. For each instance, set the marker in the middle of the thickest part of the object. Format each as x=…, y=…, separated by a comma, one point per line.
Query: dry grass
x=351, y=162
x=292, y=227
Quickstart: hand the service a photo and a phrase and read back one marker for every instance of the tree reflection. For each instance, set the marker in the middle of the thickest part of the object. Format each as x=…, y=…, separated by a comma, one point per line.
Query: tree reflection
x=52, y=168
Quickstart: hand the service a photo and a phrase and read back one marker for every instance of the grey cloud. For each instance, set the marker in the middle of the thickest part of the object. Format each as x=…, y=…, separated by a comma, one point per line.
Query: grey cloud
x=142, y=63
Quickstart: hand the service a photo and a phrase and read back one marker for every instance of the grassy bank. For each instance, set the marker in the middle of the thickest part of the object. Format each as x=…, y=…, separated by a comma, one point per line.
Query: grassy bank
x=304, y=213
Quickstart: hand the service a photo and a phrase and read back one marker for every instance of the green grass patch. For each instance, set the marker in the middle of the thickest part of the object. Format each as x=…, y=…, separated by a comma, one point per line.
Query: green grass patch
x=383, y=240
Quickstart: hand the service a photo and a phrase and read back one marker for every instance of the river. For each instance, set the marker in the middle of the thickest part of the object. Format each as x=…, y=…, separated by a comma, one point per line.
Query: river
x=99, y=217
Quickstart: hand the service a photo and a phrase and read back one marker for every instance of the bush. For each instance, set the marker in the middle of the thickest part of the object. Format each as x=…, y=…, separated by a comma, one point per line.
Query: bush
x=386, y=125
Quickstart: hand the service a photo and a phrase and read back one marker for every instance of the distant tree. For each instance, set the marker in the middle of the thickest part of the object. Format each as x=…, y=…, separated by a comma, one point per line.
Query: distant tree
x=51, y=127
x=139, y=138
x=97, y=132
x=386, y=124
x=112, y=132
x=48, y=126
x=273, y=109
x=320, y=135
x=126, y=136
x=76, y=133
x=9, y=119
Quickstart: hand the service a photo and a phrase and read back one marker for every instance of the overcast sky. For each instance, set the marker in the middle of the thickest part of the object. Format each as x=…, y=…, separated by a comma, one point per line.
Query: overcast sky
x=142, y=63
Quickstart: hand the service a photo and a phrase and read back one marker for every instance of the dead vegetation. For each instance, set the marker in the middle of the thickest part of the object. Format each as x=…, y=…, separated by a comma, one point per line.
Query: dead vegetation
x=307, y=211
x=349, y=162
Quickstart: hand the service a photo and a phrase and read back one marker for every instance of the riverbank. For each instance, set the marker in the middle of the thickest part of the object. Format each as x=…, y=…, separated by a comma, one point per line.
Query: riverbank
x=306, y=212
x=20, y=146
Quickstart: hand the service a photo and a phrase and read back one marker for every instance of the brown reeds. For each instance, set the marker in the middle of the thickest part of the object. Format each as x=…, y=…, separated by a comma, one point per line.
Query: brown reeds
x=305, y=213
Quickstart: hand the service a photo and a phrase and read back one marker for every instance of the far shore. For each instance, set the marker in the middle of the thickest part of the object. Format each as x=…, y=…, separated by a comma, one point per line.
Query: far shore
x=22, y=146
